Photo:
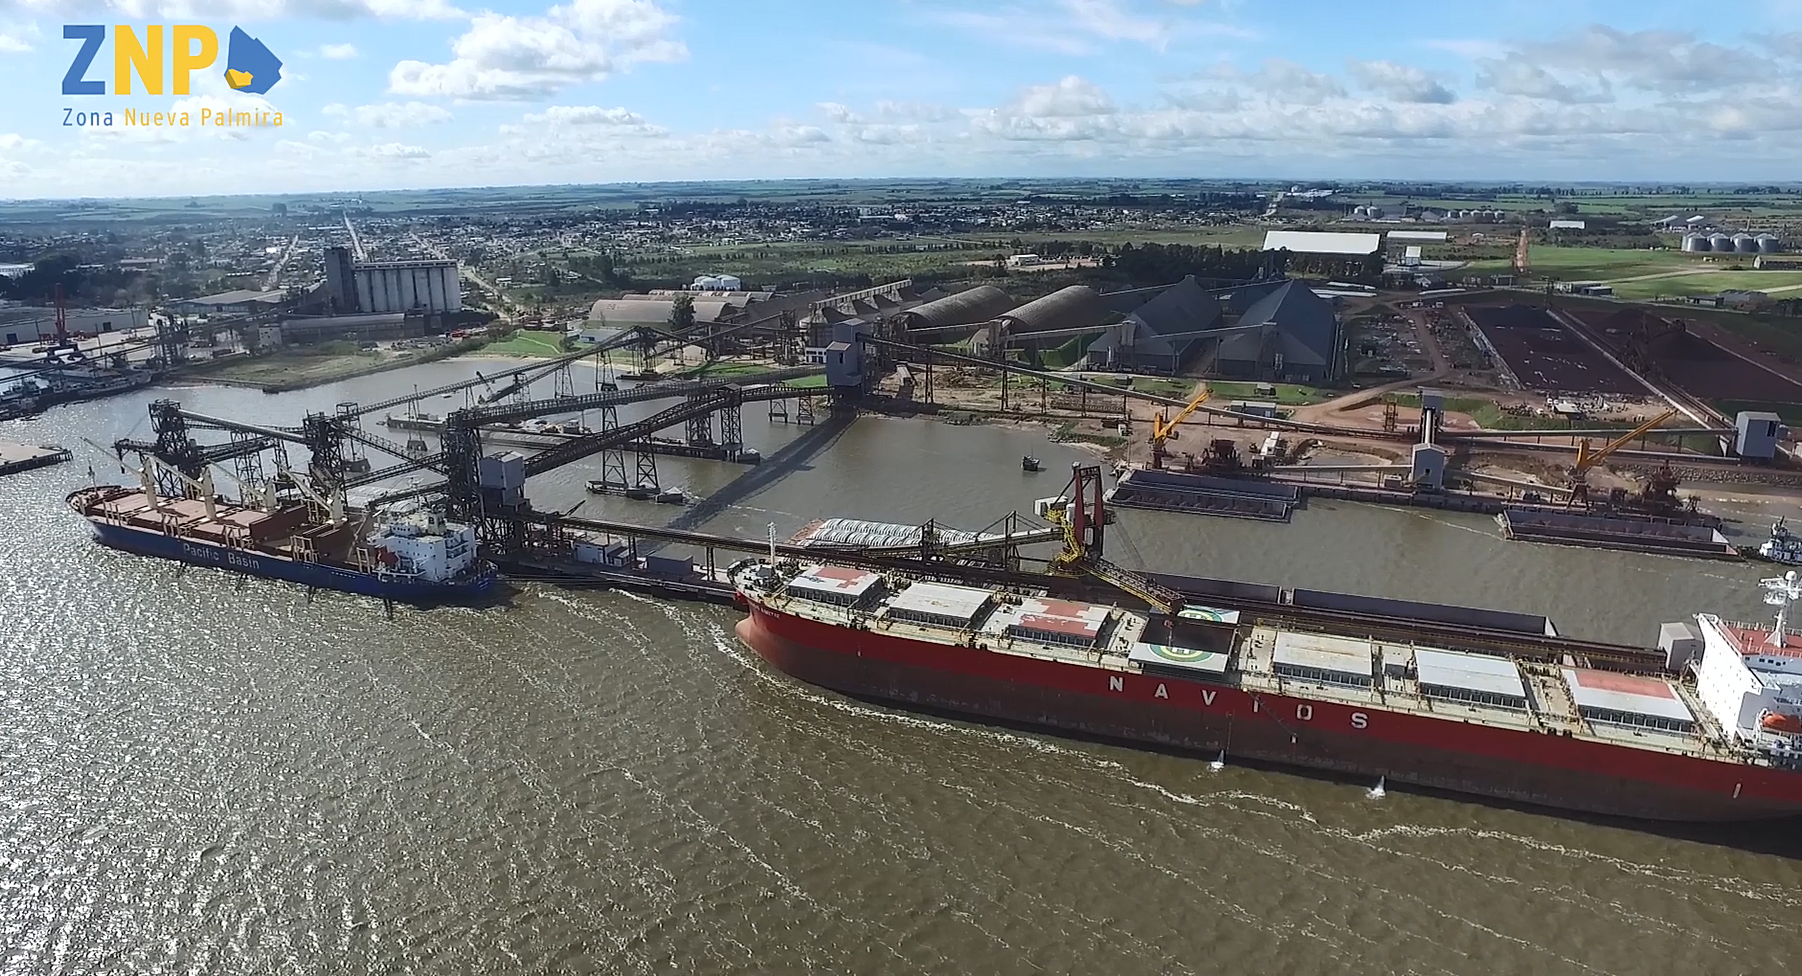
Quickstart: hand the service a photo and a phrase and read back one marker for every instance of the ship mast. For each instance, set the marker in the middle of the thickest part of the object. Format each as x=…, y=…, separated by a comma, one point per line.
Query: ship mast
x=1781, y=592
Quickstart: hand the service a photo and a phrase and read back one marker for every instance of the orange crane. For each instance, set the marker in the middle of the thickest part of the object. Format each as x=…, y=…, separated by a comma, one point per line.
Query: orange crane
x=1520, y=254
x=1162, y=429
x=1587, y=459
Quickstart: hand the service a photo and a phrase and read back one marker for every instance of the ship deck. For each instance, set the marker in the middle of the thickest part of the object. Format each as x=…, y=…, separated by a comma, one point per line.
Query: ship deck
x=1549, y=705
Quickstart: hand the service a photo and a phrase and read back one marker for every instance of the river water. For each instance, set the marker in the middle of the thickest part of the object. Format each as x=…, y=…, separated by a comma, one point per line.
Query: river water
x=200, y=773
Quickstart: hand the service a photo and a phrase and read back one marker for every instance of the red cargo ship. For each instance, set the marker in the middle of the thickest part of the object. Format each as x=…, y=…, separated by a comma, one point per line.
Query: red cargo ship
x=1720, y=741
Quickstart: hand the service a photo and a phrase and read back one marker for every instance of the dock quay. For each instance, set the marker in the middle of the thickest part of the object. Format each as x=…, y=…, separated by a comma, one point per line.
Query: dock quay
x=1601, y=532
x=1172, y=491
x=16, y=457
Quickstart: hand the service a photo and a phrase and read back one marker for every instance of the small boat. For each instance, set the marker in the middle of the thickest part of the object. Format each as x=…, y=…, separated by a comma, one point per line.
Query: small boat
x=1030, y=463
x=672, y=496
x=1783, y=546
x=599, y=487
x=642, y=493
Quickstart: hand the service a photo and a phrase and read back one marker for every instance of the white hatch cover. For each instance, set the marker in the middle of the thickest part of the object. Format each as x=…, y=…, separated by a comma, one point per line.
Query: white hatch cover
x=1320, y=652
x=940, y=601
x=1469, y=672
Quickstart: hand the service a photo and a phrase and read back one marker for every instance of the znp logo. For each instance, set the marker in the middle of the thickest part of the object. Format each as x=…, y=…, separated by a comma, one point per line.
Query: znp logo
x=249, y=68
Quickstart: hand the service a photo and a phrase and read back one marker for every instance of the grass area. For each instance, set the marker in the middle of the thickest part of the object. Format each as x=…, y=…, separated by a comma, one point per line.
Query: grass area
x=1176, y=389
x=809, y=383
x=1068, y=434
x=1287, y=394
x=524, y=343
x=1708, y=284
x=1790, y=412
x=305, y=366
x=718, y=368
x=1591, y=263
x=1235, y=235
x=1491, y=417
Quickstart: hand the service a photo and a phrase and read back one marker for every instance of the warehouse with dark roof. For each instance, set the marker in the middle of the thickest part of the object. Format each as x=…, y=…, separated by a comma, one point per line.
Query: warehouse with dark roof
x=1159, y=335
x=1299, y=341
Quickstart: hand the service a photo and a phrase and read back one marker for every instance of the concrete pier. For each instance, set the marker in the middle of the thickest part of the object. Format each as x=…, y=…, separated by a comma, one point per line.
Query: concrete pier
x=16, y=457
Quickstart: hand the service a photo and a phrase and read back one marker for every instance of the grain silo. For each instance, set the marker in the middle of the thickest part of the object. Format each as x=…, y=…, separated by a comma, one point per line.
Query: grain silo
x=1360, y=211
x=1721, y=242
x=1769, y=244
x=1745, y=243
x=1695, y=243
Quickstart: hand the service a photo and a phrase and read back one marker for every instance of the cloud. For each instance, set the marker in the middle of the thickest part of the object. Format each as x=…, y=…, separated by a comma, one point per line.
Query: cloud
x=503, y=57
x=1072, y=109
x=1515, y=75
x=586, y=115
x=1286, y=81
x=1071, y=27
x=12, y=141
x=394, y=150
x=338, y=52
x=13, y=44
x=1401, y=82
x=1649, y=60
x=838, y=113
x=390, y=115
x=1068, y=98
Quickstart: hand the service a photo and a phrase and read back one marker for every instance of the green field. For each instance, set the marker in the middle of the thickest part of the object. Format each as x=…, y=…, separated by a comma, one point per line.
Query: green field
x=524, y=343
x=1790, y=412
x=1287, y=394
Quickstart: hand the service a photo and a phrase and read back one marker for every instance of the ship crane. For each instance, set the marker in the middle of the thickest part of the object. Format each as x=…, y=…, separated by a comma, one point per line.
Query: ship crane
x=1084, y=524
x=1162, y=429
x=1588, y=459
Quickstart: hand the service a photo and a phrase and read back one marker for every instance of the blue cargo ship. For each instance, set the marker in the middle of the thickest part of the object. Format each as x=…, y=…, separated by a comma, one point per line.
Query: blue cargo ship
x=414, y=557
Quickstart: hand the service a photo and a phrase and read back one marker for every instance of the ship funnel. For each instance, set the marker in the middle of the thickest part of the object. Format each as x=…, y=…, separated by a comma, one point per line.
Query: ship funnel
x=1781, y=592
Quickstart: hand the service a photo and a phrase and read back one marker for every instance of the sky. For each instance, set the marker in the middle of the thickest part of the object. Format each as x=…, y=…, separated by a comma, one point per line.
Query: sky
x=394, y=94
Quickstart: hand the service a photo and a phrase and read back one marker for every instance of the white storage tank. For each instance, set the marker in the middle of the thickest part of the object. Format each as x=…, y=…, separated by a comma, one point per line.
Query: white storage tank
x=1721, y=242
x=1769, y=244
x=1745, y=243
x=1695, y=242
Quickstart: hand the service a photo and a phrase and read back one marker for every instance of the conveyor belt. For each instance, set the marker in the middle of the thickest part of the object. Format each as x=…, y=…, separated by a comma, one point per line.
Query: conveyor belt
x=1401, y=630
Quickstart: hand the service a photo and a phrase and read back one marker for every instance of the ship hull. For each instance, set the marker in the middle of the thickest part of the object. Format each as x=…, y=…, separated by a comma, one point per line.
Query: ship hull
x=1356, y=742
x=320, y=575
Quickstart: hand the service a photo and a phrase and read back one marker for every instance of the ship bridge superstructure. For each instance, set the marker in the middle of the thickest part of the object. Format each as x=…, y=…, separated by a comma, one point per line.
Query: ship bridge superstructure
x=1750, y=678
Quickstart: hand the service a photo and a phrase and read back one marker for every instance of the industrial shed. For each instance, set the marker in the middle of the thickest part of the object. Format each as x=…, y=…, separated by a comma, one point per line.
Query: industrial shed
x=1300, y=341
x=1311, y=242
x=972, y=306
x=1067, y=309
x=626, y=312
x=1160, y=335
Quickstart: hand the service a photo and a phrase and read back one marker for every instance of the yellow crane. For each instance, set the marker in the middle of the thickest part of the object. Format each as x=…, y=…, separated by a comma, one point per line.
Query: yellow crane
x=1587, y=459
x=1162, y=429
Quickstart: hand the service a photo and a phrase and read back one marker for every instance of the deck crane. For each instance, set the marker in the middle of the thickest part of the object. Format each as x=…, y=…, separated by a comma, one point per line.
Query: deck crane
x=1162, y=429
x=1588, y=459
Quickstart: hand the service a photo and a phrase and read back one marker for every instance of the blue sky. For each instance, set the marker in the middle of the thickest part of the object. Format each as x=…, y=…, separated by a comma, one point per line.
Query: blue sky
x=413, y=93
